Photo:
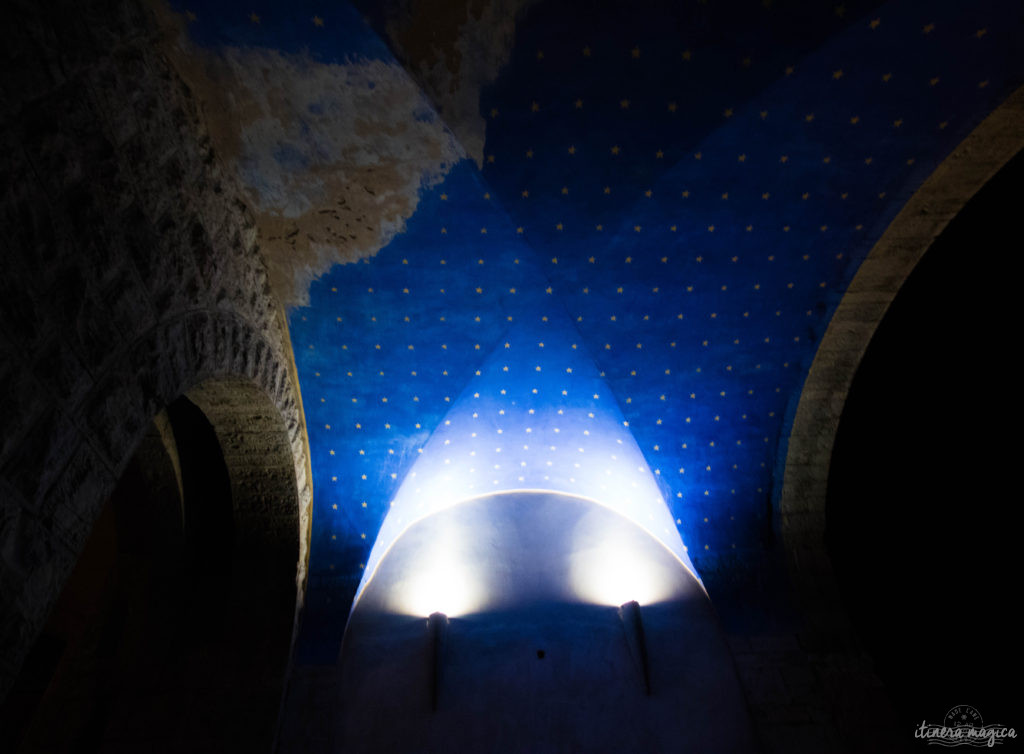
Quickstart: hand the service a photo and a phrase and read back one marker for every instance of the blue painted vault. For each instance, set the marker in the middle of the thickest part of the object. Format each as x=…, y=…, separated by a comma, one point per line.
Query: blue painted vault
x=672, y=200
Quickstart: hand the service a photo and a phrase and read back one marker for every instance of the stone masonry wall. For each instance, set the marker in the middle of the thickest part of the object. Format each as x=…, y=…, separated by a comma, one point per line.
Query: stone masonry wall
x=130, y=275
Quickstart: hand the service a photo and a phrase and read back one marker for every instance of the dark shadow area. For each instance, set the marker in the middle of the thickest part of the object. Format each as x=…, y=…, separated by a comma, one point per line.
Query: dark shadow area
x=153, y=644
x=921, y=497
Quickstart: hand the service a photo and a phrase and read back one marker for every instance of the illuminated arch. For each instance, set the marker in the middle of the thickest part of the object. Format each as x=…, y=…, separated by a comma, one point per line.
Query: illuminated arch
x=808, y=455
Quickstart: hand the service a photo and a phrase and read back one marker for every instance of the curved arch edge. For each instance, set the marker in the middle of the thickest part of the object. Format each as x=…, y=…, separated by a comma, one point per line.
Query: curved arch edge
x=878, y=280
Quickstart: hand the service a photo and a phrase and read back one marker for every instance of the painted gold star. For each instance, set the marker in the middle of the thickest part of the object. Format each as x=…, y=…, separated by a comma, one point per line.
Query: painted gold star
x=635, y=52
x=855, y=120
x=789, y=70
x=572, y=149
x=607, y=189
x=526, y=194
x=687, y=55
x=837, y=74
x=980, y=33
x=934, y=80
x=624, y=104
x=686, y=194
x=253, y=18
x=317, y=21
x=648, y=193
x=586, y=51
x=741, y=158
x=875, y=22
x=579, y=104
x=928, y=29
x=727, y=113
x=809, y=117
x=886, y=77
x=529, y=154
x=615, y=149
x=697, y=155
x=565, y=190
x=898, y=122
x=659, y=154
x=784, y=159
x=764, y=114
x=672, y=107
x=494, y=112
x=535, y=106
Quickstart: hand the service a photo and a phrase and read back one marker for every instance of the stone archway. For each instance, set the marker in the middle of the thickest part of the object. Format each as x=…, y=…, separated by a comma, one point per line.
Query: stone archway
x=242, y=385
x=808, y=456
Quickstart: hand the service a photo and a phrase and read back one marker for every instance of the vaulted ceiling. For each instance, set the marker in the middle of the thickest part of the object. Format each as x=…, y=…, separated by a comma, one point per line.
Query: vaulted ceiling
x=521, y=217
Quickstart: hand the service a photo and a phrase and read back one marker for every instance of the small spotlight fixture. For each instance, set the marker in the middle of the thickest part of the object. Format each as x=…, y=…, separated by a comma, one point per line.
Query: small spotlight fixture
x=632, y=623
x=437, y=629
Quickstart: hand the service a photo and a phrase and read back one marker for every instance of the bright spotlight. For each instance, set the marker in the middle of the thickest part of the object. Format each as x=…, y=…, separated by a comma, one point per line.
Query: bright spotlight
x=442, y=582
x=610, y=568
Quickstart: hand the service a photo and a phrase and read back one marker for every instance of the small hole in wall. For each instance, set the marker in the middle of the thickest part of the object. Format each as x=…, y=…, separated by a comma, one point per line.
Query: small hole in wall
x=540, y=654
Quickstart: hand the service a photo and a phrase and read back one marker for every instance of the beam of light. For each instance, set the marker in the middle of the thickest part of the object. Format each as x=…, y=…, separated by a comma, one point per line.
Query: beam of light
x=613, y=566
x=442, y=581
x=532, y=419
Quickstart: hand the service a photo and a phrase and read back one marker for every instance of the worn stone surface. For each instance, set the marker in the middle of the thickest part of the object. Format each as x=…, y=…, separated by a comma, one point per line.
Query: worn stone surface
x=331, y=156
x=131, y=276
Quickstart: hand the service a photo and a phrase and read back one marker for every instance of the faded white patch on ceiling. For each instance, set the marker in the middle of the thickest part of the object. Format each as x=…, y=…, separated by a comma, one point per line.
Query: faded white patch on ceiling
x=331, y=156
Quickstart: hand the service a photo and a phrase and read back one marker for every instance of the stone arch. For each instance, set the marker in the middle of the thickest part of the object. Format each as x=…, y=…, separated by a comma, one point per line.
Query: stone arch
x=808, y=456
x=244, y=384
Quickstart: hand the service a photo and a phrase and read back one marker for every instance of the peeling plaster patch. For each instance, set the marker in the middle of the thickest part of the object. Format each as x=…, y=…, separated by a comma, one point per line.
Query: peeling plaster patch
x=454, y=50
x=331, y=156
